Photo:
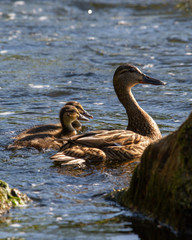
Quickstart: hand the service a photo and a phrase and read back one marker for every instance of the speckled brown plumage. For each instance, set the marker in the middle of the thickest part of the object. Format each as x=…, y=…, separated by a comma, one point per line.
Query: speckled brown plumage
x=55, y=129
x=116, y=144
x=44, y=137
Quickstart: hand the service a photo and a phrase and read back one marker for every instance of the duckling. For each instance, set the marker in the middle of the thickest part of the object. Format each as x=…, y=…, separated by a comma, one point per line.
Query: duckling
x=45, y=140
x=76, y=124
x=118, y=145
x=55, y=129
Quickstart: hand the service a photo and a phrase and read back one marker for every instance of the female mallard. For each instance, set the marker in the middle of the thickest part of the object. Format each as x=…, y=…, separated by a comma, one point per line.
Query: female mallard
x=55, y=129
x=45, y=139
x=116, y=144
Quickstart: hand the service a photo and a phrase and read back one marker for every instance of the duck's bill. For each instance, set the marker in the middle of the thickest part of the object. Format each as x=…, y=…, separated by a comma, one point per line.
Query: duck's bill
x=149, y=80
x=82, y=117
x=86, y=114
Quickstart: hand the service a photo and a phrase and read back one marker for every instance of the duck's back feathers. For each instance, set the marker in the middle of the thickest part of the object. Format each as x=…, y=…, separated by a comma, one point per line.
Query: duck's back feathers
x=103, y=145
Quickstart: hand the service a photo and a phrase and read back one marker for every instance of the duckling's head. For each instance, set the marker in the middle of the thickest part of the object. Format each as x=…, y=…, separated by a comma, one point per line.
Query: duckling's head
x=127, y=76
x=80, y=108
x=69, y=114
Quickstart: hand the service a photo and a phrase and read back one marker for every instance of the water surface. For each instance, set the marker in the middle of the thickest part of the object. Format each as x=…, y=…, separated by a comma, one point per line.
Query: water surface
x=55, y=51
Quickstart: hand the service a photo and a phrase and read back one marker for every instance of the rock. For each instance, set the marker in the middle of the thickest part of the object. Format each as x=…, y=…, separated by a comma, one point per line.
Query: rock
x=10, y=197
x=161, y=186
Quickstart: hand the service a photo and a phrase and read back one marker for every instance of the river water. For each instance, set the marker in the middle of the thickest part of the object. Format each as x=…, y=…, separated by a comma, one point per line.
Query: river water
x=55, y=51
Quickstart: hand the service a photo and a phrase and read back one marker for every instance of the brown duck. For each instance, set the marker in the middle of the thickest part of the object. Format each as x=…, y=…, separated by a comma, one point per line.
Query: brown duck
x=42, y=138
x=116, y=144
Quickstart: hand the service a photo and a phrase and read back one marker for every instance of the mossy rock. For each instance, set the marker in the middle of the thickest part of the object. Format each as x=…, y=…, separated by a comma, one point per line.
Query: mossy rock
x=10, y=197
x=161, y=186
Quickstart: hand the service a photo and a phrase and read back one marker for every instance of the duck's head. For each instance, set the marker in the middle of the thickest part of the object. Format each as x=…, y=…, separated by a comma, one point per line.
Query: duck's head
x=69, y=114
x=128, y=76
x=80, y=108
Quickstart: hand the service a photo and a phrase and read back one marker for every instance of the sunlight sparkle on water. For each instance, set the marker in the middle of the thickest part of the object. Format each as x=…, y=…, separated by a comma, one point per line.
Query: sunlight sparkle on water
x=43, y=18
x=12, y=16
x=15, y=225
x=148, y=66
x=3, y=51
x=38, y=86
x=7, y=113
x=19, y=3
x=91, y=38
x=122, y=22
x=98, y=103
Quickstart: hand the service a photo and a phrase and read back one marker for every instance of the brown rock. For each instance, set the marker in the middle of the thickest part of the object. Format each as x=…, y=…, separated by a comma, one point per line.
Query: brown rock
x=161, y=186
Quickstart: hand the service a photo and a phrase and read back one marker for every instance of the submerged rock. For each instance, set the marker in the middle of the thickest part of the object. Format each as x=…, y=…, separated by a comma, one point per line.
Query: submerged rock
x=10, y=197
x=161, y=186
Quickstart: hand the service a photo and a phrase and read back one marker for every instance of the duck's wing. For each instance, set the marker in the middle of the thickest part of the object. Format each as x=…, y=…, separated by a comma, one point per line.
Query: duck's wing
x=102, y=145
x=126, y=152
x=106, y=138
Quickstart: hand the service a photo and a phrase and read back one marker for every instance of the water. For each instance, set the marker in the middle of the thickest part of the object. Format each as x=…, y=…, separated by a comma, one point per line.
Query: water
x=55, y=51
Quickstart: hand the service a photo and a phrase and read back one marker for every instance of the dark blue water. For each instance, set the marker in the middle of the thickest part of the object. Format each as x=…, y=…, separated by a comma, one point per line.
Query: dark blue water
x=55, y=51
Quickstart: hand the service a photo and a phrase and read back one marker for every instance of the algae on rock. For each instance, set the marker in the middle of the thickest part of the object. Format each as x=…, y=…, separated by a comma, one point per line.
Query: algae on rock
x=10, y=197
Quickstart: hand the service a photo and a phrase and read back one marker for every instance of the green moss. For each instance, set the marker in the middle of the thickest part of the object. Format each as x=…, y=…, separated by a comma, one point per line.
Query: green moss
x=14, y=200
x=10, y=197
x=3, y=184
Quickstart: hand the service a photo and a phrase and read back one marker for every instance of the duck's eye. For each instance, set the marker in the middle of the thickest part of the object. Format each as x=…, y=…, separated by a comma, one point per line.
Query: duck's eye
x=128, y=70
x=124, y=71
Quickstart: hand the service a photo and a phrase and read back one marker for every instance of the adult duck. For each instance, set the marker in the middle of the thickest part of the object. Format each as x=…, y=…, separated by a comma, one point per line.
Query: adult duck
x=116, y=144
x=46, y=140
x=56, y=128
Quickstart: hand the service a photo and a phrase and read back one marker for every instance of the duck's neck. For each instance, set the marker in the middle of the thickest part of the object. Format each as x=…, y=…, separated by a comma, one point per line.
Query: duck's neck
x=138, y=120
x=67, y=128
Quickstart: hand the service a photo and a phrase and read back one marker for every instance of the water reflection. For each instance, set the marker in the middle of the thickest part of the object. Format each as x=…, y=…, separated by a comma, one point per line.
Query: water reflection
x=148, y=229
x=123, y=170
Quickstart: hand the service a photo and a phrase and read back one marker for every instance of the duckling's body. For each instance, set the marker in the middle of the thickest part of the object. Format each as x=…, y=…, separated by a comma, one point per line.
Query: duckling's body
x=116, y=144
x=41, y=138
x=55, y=129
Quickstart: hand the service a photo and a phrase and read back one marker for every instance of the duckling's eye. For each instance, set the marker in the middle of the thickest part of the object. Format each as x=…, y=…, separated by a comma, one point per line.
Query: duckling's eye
x=71, y=111
x=76, y=112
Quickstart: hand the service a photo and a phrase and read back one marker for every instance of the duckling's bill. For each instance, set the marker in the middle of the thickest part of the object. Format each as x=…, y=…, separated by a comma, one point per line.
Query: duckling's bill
x=86, y=114
x=82, y=117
